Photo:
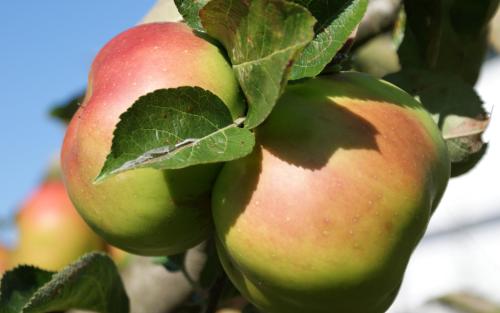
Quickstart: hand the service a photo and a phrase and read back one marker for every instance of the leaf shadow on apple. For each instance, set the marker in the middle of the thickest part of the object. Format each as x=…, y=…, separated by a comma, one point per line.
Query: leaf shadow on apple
x=309, y=135
x=306, y=136
x=188, y=192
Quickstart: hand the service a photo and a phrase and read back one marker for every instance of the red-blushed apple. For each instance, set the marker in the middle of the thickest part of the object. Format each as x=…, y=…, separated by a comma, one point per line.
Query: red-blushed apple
x=145, y=211
x=51, y=232
x=323, y=216
x=4, y=255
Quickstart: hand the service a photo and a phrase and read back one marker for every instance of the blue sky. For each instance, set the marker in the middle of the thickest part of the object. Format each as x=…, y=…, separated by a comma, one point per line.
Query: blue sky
x=46, y=48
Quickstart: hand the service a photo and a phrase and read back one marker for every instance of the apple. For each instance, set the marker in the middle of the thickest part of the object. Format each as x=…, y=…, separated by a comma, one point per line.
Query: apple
x=145, y=211
x=325, y=213
x=120, y=257
x=51, y=233
x=4, y=255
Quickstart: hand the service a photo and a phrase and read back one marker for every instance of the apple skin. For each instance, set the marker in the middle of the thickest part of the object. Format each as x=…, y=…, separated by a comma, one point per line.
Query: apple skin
x=120, y=257
x=51, y=232
x=323, y=216
x=4, y=255
x=145, y=211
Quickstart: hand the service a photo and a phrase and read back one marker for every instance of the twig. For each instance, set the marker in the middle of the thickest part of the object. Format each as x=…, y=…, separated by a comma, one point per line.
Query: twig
x=214, y=294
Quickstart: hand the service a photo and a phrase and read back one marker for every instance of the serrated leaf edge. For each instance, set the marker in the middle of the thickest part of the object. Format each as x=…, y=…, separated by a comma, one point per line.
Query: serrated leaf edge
x=164, y=153
x=59, y=277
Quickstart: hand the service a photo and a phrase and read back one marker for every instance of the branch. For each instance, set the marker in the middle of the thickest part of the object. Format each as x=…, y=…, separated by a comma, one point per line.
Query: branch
x=214, y=294
x=469, y=303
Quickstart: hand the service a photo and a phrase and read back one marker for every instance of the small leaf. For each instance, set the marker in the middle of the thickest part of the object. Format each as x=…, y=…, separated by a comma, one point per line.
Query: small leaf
x=336, y=22
x=462, y=167
x=455, y=106
x=65, y=111
x=19, y=285
x=176, y=128
x=91, y=283
x=262, y=39
x=463, y=136
x=189, y=9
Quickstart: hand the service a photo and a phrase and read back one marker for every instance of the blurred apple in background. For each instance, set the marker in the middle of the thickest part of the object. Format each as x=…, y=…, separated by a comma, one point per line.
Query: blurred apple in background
x=3, y=259
x=51, y=233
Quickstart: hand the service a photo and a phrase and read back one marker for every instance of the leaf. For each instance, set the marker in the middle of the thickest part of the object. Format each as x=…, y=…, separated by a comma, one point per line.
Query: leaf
x=441, y=55
x=462, y=167
x=91, y=283
x=189, y=10
x=463, y=136
x=19, y=285
x=176, y=128
x=65, y=111
x=336, y=22
x=455, y=106
x=262, y=39
x=447, y=36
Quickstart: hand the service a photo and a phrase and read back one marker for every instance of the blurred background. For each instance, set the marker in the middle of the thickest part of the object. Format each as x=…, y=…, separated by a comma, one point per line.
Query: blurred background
x=46, y=51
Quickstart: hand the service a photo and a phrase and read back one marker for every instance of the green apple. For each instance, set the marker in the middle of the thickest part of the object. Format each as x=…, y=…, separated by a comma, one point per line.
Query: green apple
x=51, y=233
x=145, y=211
x=323, y=216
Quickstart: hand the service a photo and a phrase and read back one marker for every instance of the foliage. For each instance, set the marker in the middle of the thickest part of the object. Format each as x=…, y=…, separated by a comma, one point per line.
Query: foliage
x=67, y=109
x=189, y=10
x=176, y=128
x=91, y=283
x=337, y=20
x=262, y=39
x=441, y=54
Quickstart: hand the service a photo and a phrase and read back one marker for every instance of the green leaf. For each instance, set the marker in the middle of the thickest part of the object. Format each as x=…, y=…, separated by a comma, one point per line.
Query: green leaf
x=176, y=128
x=19, y=285
x=262, y=39
x=455, y=106
x=336, y=22
x=189, y=9
x=66, y=110
x=91, y=283
x=447, y=36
